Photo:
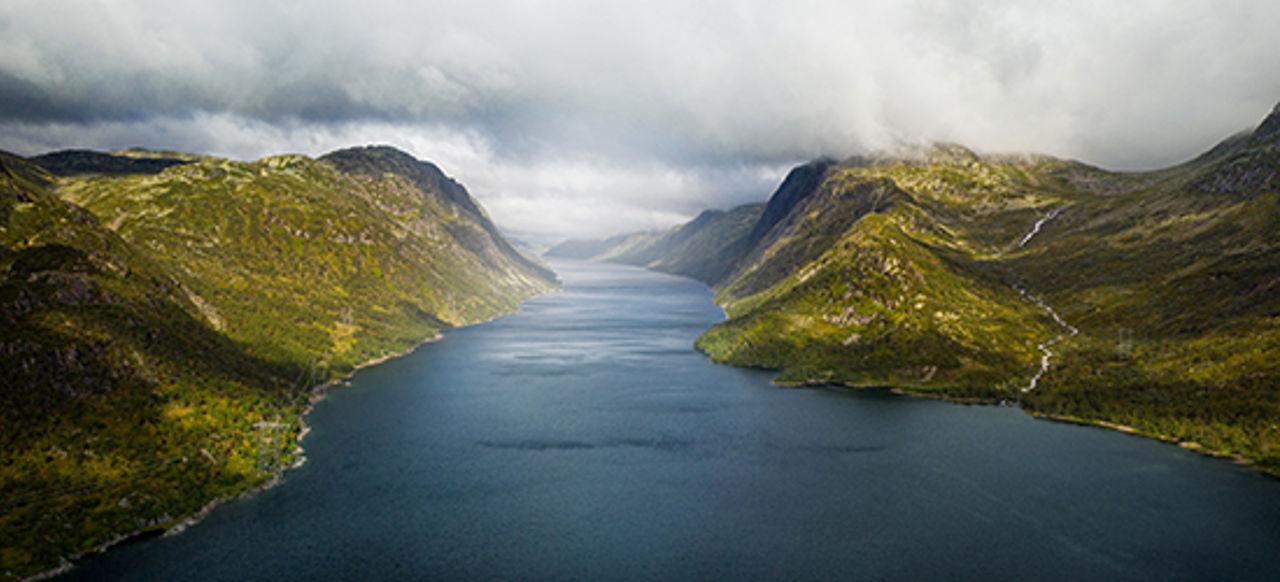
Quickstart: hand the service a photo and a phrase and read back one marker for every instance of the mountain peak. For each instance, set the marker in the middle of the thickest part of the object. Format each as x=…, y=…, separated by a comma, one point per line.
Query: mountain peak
x=79, y=161
x=384, y=157
x=800, y=182
x=375, y=160
x=1270, y=127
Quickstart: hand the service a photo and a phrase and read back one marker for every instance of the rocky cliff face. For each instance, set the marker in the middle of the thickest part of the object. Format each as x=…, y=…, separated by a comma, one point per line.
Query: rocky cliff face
x=800, y=182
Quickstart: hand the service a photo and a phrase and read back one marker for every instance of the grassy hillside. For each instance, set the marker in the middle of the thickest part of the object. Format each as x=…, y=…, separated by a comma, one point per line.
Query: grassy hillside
x=869, y=279
x=925, y=271
x=163, y=326
x=354, y=252
x=1172, y=277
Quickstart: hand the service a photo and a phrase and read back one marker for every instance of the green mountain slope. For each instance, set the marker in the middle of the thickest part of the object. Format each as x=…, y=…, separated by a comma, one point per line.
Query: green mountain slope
x=163, y=328
x=869, y=279
x=1146, y=300
x=357, y=251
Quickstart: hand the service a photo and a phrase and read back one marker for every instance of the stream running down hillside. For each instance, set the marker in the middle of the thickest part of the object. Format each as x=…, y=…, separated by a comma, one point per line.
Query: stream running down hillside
x=583, y=437
x=1046, y=353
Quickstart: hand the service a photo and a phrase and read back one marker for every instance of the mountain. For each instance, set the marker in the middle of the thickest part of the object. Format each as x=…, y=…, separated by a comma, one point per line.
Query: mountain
x=78, y=162
x=1146, y=301
x=799, y=183
x=624, y=247
x=703, y=248
x=164, y=324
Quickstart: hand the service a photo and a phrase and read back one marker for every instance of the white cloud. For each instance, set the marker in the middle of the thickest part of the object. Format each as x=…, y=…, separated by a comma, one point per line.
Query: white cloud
x=543, y=199
x=577, y=117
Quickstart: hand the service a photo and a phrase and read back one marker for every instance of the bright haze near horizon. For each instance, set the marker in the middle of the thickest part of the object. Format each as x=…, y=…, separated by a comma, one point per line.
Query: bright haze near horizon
x=579, y=119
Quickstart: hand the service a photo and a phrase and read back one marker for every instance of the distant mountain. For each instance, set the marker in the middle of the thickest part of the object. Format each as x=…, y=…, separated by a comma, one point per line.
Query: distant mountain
x=161, y=329
x=1146, y=300
x=707, y=246
x=703, y=248
x=621, y=247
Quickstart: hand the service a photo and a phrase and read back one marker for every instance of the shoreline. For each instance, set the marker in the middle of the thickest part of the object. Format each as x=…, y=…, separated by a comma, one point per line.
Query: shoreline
x=176, y=526
x=316, y=394
x=1191, y=446
x=814, y=383
x=319, y=392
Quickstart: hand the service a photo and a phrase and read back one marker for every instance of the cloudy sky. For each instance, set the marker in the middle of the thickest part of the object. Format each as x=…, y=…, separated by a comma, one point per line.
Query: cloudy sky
x=594, y=117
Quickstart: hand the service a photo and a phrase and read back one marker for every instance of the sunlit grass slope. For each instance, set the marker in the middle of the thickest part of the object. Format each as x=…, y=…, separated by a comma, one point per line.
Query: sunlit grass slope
x=163, y=324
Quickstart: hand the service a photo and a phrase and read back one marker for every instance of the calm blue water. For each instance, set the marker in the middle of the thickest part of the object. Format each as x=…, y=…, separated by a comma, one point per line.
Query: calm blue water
x=583, y=438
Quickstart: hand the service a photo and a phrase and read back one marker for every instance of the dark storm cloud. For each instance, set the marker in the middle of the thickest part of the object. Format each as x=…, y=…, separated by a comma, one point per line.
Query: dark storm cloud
x=589, y=117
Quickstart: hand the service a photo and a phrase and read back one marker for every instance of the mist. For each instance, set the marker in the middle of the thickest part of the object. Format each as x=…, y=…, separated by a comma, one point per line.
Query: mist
x=587, y=119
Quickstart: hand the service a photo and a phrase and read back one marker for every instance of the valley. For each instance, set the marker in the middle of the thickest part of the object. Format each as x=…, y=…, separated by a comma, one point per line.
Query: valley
x=171, y=317
x=729, y=290
x=583, y=437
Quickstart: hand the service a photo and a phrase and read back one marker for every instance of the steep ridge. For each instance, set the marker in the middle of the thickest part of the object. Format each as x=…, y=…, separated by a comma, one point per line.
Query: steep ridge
x=800, y=182
x=808, y=228
x=375, y=162
x=163, y=331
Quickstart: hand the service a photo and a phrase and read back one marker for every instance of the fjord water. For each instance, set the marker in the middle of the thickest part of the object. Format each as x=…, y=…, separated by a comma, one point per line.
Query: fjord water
x=583, y=437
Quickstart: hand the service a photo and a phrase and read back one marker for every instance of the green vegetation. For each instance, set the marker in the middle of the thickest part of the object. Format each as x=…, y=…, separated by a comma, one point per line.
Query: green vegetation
x=164, y=324
x=869, y=280
x=902, y=271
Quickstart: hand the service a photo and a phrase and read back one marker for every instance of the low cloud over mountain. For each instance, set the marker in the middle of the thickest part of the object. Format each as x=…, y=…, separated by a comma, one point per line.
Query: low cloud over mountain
x=576, y=118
